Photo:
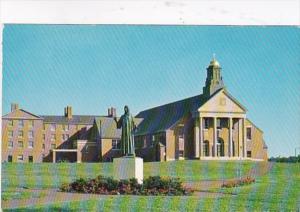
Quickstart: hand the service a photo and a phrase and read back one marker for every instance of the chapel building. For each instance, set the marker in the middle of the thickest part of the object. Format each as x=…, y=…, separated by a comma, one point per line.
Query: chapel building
x=209, y=126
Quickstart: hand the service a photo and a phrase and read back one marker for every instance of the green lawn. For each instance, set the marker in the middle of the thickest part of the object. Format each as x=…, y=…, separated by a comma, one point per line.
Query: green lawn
x=278, y=190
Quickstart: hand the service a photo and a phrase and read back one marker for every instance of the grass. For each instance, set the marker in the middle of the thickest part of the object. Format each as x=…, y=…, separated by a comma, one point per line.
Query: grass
x=11, y=194
x=277, y=190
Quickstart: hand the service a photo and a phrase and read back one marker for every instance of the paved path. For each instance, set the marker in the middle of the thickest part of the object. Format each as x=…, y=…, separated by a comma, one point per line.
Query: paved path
x=49, y=196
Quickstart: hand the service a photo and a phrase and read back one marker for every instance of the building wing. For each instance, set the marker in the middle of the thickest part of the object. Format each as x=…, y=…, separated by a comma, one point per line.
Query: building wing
x=163, y=117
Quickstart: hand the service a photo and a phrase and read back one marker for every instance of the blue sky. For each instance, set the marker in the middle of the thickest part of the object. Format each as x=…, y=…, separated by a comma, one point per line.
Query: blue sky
x=93, y=67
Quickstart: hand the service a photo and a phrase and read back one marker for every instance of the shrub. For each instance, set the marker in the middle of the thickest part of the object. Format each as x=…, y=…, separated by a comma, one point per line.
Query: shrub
x=105, y=185
x=240, y=182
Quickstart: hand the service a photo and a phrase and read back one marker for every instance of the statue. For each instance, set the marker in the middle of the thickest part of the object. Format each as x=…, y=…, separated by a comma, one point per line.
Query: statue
x=127, y=139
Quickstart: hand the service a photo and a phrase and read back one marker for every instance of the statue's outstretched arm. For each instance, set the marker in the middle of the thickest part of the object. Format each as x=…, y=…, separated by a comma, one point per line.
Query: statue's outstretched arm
x=118, y=122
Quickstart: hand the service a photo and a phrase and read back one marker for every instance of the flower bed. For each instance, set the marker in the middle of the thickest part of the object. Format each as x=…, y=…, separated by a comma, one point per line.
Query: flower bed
x=154, y=185
x=240, y=182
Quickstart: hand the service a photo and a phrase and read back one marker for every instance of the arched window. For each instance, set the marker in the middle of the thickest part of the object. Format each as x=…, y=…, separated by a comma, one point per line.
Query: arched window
x=220, y=147
x=206, y=148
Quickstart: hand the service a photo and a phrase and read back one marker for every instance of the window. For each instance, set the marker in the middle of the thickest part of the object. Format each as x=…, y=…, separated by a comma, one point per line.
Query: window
x=206, y=123
x=140, y=142
x=20, y=134
x=44, y=137
x=116, y=144
x=249, y=133
x=248, y=154
x=9, y=158
x=219, y=124
x=144, y=141
x=30, y=134
x=53, y=146
x=66, y=127
x=233, y=123
x=20, y=144
x=10, y=134
x=10, y=123
x=86, y=149
x=30, y=159
x=218, y=132
x=53, y=137
x=30, y=144
x=52, y=127
x=181, y=143
x=21, y=123
x=220, y=148
x=10, y=144
x=64, y=137
x=44, y=126
x=20, y=158
x=180, y=132
x=43, y=146
x=233, y=148
x=206, y=148
x=181, y=153
x=30, y=123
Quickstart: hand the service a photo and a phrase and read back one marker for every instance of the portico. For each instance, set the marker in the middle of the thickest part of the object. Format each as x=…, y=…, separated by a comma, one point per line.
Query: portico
x=214, y=133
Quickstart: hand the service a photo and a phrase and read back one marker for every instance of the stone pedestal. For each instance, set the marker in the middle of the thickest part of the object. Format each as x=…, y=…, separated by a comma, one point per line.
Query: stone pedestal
x=126, y=168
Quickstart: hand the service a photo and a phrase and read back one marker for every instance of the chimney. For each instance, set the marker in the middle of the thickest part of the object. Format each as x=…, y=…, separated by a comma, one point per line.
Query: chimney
x=14, y=107
x=68, y=112
x=111, y=112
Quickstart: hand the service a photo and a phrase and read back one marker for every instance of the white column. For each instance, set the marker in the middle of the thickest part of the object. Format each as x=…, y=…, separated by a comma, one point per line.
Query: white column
x=78, y=159
x=201, y=136
x=54, y=156
x=244, y=138
x=240, y=138
x=215, y=137
x=196, y=137
x=230, y=137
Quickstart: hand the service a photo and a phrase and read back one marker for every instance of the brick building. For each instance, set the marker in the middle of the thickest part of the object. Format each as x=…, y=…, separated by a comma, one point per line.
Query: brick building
x=210, y=126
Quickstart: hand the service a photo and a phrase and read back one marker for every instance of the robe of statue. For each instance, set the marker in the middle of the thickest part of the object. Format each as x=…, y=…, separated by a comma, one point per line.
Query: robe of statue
x=127, y=138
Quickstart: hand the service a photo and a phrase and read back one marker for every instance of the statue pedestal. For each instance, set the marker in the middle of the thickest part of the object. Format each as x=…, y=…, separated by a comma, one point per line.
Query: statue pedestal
x=126, y=168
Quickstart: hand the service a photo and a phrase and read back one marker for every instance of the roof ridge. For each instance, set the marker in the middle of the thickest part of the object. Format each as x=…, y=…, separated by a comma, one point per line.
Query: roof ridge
x=169, y=103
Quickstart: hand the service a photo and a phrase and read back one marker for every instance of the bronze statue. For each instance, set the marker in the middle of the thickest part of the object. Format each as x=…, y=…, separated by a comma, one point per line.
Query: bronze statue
x=127, y=139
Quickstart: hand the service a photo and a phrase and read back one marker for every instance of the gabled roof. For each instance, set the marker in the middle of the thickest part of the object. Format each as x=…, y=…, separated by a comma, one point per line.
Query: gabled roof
x=234, y=99
x=76, y=119
x=224, y=90
x=163, y=117
x=107, y=127
x=10, y=115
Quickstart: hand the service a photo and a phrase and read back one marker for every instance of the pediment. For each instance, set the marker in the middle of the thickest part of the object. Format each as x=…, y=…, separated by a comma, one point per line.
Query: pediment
x=20, y=114
x=222, y=102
